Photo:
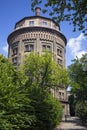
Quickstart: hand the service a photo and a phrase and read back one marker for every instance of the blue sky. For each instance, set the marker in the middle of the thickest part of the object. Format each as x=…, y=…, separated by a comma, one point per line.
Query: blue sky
x=11, y=11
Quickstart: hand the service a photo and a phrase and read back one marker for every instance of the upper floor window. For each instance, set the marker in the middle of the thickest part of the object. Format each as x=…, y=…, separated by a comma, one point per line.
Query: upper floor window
x=29, y=48
x=60, y=62
x=14, y=60
x=61, y=95
x=31, y=23
x=15, y=51
x=59, y=52
x=44, y=23
x=15, y=44
x=46, y=47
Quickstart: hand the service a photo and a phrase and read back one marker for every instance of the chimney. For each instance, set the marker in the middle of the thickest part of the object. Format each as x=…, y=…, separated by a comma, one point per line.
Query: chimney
x=37, y=11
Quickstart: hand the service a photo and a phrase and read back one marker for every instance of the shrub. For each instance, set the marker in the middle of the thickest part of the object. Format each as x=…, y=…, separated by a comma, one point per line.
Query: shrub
x=47, y=109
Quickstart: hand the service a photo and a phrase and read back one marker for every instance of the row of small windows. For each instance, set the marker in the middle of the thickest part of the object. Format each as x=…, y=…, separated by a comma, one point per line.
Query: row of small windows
x=15, y=60
x=29, y=48
x=31, y=23
x=44, y=24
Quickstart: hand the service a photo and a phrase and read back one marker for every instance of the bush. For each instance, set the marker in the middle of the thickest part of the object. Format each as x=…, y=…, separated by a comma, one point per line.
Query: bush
x=81, y=110
x=48, y=110
x=14, y=105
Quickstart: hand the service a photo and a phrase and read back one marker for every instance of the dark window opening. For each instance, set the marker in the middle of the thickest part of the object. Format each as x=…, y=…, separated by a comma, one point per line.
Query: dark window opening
x=46, y=47
x=15, y=51
x=59, y=52
x=29, y=48
x=14, y=60
x=31, y=23
x=60, y=62
x=44, y=23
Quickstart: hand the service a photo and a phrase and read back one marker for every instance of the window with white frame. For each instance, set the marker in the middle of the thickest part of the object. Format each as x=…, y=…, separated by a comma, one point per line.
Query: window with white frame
x=31, y=23
x=44, y=23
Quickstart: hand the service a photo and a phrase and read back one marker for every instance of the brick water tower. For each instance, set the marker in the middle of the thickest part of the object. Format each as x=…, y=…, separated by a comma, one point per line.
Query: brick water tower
x=38, y=34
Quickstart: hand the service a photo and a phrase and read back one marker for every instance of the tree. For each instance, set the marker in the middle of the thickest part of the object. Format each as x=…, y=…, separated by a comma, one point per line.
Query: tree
x=43, y=75
x=78, y=77
x=81, y=110
x=74, y=11
x=13, y=102
x=47, y=109
x=43, y=72
x=78, y=81
x=25, y=102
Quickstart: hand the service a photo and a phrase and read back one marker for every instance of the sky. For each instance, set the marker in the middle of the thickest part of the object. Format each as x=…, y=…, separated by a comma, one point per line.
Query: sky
x=11, y=11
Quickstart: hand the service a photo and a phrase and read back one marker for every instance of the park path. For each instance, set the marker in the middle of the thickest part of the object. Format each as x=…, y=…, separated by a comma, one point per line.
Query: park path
x=72, y=123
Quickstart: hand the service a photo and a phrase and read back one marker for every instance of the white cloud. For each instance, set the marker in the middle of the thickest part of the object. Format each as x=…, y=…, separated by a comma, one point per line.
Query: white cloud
x=5, y=49
x=75, y=46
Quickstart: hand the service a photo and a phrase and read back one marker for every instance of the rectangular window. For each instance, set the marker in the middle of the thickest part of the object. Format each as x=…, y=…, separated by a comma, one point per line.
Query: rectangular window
x=15, y=51
x=44, y=23
x=46, y=47
x=59, y=52
x=14, y=60
x=26, y=48
x=60, y=62
x=29, y=48
x=31, y=23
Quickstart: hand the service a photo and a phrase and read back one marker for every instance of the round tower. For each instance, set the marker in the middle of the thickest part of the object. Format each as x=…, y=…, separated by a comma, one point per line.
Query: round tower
x=38, y=34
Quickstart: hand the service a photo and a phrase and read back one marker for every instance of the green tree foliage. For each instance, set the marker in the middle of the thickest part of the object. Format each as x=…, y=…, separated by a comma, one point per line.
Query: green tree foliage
x=74, y=11
x=25, y=102
x=47, y=109
x=81, y=110
x=43, y=72
x=78, y=79
x=13, y=102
